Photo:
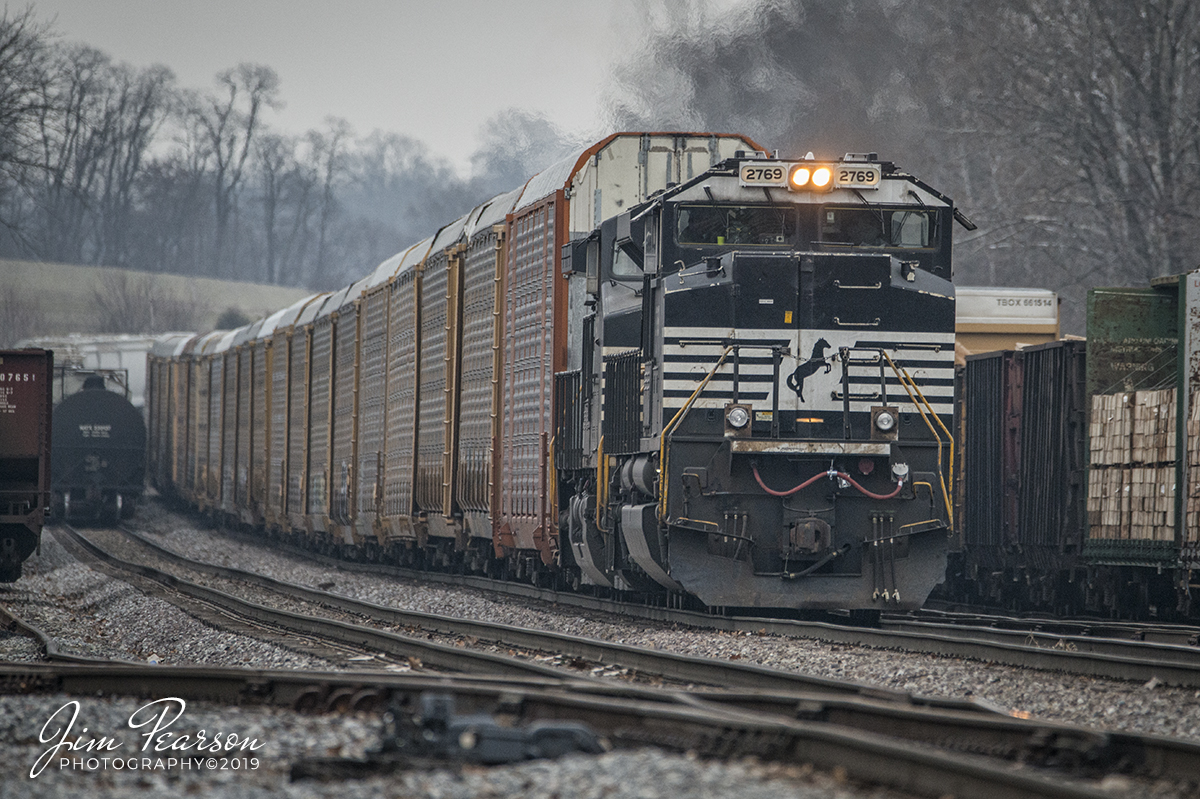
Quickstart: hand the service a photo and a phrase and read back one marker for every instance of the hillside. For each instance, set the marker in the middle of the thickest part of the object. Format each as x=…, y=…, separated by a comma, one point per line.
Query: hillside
x=55, y=299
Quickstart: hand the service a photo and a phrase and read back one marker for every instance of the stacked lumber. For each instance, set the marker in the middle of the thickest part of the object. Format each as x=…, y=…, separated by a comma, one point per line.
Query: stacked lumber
x=1111, y=429
x=1154, y=426
x=1131, y=485
x=1192, y=508
x=1108, y=503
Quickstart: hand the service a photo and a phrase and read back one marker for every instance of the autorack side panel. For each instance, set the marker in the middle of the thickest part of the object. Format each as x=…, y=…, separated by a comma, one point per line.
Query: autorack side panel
x=216, y=430
x=479, y=398
x=372, y=398
x=280, y=428
x=197, y=462
x=402, y=384
x=534, y=349
x=438, y=368
x=238, y=498
x=260, y=410
x=232, y=430
x=300, y=410
x=344, y=430
x=229, y=429
x=321, y=376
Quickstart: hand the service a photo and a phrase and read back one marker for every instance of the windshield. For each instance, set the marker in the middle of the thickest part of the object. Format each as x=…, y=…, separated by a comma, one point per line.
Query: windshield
x=878, y=227
x=760, y=225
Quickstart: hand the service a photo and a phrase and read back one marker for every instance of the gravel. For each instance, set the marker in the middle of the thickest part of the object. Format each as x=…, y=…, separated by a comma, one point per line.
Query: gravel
x=282, y=738
x=93, y=614
x=1093, y=702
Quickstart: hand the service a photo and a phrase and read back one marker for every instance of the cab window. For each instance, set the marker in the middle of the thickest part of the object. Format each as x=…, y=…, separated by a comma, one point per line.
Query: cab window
x=906, y=228
x=754, y=225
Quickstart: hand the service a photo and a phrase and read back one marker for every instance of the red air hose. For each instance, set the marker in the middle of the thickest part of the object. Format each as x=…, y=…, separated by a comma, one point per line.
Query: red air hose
x=830, y=474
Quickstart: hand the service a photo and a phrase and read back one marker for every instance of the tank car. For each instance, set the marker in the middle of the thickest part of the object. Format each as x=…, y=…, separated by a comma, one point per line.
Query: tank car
x=99, y=455
x=668, y=364
x=25, y=427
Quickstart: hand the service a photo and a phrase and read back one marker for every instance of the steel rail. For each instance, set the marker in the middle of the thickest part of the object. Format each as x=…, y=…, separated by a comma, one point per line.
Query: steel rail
x=625, y=718
x=1151, y=632
x=669, y=665
x=954, y=723
x=949, y=642
x=359, y=637
x=51, y=649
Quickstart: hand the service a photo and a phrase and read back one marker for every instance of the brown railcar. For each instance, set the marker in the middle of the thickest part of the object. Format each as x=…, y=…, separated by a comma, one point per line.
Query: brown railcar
x=26, y=398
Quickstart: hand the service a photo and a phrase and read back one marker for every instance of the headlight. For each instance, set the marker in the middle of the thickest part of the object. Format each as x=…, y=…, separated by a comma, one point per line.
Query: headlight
x=885, y=421
x=737, y=416
x=810, y=177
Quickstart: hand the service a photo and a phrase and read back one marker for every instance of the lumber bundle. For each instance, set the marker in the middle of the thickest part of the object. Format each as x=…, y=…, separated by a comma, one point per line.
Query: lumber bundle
x=1131, y=485
x=1192, y=507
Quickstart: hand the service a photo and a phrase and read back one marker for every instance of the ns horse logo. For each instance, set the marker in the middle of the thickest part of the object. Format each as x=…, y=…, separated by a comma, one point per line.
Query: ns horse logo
x=814, y=363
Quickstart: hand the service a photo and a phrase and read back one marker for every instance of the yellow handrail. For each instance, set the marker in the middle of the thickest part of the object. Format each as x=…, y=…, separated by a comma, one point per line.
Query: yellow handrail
x=676, y=420
x=906, y=381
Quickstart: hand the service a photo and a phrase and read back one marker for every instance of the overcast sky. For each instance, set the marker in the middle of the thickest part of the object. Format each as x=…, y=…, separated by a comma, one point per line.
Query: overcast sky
x=433, y=69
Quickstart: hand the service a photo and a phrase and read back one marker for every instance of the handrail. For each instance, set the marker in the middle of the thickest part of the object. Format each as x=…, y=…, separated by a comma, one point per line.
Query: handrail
x=906, y=381
x=676, y=420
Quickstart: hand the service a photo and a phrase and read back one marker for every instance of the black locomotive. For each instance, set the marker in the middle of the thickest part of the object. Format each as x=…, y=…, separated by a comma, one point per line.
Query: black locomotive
x=670, y=364
x=99, y=455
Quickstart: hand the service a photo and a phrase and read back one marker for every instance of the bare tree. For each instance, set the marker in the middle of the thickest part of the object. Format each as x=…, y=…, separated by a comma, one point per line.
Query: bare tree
x=229, y=122
x=25, y=48
x=327, y=151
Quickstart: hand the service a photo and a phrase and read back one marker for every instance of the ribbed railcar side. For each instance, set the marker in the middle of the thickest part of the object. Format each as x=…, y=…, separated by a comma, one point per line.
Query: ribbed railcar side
x=229, y=430
x=216, y=429
x=298, y=407
x=372, y=401
x=534, y=349
x=1052, y=510
x=320, y=393
x=276, y=484
x=479, y=397
x=403, y=328
x=238, y=502
x=985, y=453
x=436, y=366
x=197, y=461
x=181, y=406
x=153, y=410
x=254, y=504
x=344, y=427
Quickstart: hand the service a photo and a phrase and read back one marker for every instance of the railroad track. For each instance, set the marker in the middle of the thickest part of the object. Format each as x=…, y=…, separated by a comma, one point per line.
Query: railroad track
x=1039, y=761
x=961, y=727
x=1117, y=658
x=1150, y=632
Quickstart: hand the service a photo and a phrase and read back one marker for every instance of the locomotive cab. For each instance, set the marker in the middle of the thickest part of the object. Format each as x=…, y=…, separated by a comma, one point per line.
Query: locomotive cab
x=773, y=382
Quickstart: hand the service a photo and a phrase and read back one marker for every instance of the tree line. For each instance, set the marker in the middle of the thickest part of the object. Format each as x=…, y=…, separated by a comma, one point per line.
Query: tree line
x=104, y=163
x=1068, y=130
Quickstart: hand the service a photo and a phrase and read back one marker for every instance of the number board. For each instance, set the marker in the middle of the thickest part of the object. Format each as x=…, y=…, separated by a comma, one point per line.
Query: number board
x=856, y=176
x=758, y=173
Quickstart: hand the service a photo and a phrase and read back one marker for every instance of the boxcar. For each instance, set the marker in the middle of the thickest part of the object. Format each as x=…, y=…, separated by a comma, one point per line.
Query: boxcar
x=25, y=410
